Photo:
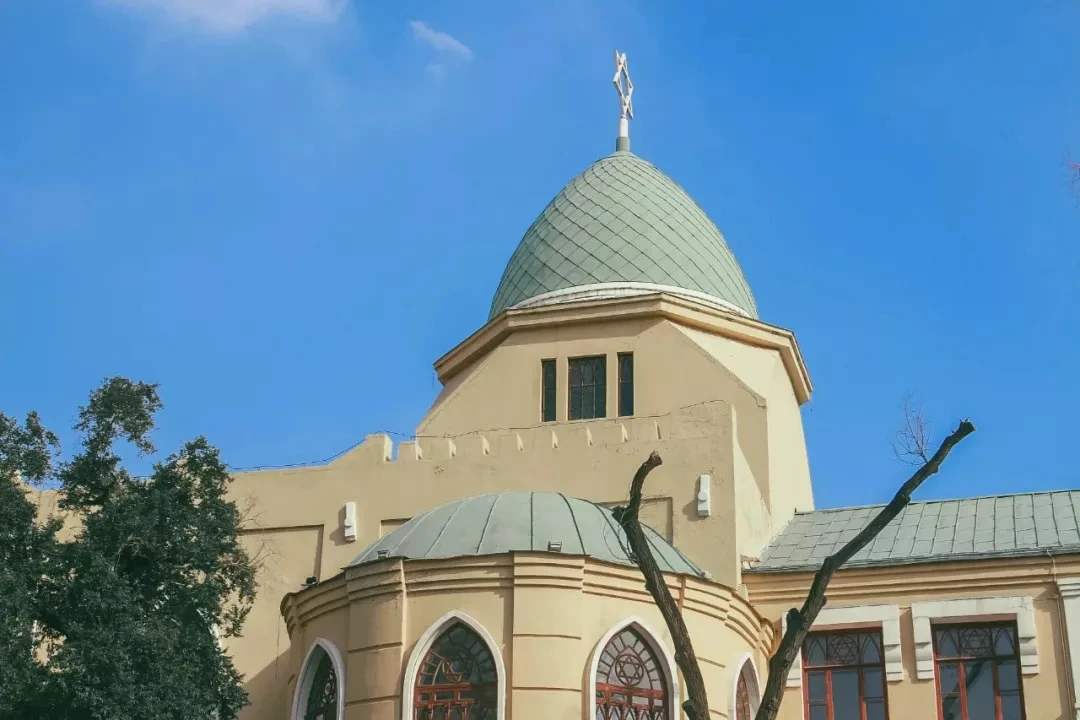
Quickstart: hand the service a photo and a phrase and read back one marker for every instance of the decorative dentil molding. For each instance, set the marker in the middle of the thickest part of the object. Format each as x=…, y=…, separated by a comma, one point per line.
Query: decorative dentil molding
x=925, y=614
x=887, y=617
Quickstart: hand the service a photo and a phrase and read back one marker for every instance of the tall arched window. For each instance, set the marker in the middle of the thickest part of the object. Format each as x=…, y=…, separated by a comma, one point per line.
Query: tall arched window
x=747, y=696
x=318, y=696
x=630, y=680
x=457, y=679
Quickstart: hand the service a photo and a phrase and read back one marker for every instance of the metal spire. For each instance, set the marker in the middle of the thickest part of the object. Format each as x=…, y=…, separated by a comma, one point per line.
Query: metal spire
x=624, y=86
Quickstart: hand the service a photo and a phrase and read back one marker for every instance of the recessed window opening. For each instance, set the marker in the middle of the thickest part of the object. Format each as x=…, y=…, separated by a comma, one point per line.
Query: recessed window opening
x=630, y=680
x=746, y=693
x=588, y=387
x=548, y=391
x=844, y=676
x=319, y=688
x=626, y=384
x=978, y=672
x=457, y=678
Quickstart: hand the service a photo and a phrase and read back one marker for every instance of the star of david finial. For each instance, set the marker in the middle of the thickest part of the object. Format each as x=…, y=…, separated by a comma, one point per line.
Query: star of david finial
x=624, y=87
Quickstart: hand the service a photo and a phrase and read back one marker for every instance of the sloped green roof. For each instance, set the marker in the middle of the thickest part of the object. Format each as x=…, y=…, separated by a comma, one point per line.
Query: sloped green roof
x=623, y=221
x=504, y=522
x=938, y=530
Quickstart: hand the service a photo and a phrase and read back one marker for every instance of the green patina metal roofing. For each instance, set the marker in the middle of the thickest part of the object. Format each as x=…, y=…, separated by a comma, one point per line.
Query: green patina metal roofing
x=970, y=528
x=519, y=522
x=622, y=220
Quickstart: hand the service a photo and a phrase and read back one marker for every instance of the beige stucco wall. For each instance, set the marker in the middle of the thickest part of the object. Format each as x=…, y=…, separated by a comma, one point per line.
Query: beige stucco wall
x=546, y=614
x=1046, y=694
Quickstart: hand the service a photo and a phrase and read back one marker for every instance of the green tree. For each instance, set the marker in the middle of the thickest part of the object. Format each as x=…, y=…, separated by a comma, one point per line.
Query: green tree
x=130, y=611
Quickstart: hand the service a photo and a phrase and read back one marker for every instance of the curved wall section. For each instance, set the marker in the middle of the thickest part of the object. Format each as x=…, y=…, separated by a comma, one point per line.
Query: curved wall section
x=544, y=616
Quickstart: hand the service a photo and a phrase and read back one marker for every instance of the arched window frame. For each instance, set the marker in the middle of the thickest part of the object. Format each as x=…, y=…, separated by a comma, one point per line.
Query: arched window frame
x=746, y=659
x=424, y=643
x=307, y=676
x=667, y=664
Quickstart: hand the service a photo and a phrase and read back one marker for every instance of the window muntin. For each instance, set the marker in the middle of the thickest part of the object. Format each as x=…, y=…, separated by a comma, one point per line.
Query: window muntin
x=746, y=693
x=630, y=680
x=978, y=672
x=626, y=384
x=322, y=692
x=588, y=387
x=548, y=391
x=457, y=678
x=844, y=676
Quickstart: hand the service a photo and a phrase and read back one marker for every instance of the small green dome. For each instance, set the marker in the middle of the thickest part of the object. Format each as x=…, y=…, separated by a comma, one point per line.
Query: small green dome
x=622, y=227
x=510, y=521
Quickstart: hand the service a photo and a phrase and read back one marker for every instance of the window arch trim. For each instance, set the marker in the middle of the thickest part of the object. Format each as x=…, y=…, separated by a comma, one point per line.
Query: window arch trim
x=428, y=638
x=747, y=658
x=307, y=676
x=667, y=664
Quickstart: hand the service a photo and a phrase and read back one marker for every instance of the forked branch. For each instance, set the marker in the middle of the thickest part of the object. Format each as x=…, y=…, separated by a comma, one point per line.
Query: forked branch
x=799, y=621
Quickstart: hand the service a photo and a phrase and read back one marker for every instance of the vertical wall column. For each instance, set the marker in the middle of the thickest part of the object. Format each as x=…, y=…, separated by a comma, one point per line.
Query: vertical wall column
x=1070, y=603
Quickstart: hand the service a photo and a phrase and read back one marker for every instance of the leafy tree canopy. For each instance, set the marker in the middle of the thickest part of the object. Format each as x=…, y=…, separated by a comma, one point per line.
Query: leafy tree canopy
x=123, y=619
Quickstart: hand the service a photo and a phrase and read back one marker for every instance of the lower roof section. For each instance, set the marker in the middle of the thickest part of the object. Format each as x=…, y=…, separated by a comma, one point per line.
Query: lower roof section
x=935, y=531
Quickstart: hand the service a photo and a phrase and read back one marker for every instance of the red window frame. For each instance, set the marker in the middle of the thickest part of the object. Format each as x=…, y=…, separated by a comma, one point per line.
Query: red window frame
x=961, y=659
x=827, y=667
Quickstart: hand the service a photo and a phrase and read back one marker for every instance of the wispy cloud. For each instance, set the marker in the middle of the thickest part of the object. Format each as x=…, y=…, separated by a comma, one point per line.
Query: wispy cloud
x=232, y=16
x=440, y=41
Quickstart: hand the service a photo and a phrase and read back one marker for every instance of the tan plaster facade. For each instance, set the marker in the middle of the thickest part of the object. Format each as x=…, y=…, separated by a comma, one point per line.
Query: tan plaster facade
x=546, y=616
x=1047, y=690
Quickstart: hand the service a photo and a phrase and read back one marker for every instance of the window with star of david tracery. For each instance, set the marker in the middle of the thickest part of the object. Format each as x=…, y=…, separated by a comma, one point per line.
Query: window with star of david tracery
x=457, y=679
x=844, y=676
x=746, y=693
x=630, y=680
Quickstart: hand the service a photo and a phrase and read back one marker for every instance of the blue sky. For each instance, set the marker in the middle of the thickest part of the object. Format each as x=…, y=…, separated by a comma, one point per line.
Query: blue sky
x=284, y=210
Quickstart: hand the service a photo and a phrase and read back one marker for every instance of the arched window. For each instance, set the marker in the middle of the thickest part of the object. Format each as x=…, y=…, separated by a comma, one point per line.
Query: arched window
x=318, y=695
x=457, y=679
x=747, y=696
x=630, y=680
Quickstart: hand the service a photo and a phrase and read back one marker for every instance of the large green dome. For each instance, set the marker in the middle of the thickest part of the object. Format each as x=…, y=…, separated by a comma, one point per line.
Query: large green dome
x=622, y=227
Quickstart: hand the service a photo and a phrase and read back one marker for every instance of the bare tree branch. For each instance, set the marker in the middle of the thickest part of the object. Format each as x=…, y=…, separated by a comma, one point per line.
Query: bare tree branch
x=911, y=444
x=696, y=705
x=800, y=621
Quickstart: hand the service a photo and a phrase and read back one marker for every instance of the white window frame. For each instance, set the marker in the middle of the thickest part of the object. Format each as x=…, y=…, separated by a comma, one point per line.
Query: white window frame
x=428, y=638
x=307, y=676
x=746, y=659
x=667, y=666
x=924, y=615
x=886, y=617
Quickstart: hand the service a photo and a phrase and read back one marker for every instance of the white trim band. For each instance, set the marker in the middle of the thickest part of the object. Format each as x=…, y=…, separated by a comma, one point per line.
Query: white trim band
x=609, y=290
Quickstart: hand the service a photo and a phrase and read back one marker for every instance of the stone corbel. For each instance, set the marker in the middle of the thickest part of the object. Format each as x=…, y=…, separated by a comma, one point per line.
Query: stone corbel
x=887, y=617
x=924, y=614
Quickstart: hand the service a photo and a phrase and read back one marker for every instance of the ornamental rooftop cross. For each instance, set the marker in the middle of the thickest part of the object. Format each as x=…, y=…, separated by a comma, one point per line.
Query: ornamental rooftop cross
x=624, y=86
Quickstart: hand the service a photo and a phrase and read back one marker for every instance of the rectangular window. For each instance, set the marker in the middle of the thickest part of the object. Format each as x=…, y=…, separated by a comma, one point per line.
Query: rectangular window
x=588, y=387
x=844, y=676
x=978, y=672
x=547, y=393
x=626, y=384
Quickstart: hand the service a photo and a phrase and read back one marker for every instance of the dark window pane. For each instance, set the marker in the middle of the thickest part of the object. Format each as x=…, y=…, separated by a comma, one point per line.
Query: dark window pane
x=949, y=678
x=976, y=641
x=588, y=389
x=845, y=695
x=946, y=643
x=951, y=709
x=626, y=384
x=979, y=678
x=871, y=648
x=816, y=686
x=1003, y=641
x=875, y=710
x=873, y=687
x=815, y=649
x=1008, y=677
x=818, y=712
x=1010, y=707
x=548, y=399
x=843, y=649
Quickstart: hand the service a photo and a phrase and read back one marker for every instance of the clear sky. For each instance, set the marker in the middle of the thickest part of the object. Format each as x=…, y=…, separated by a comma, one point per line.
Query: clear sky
x=283, y=211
